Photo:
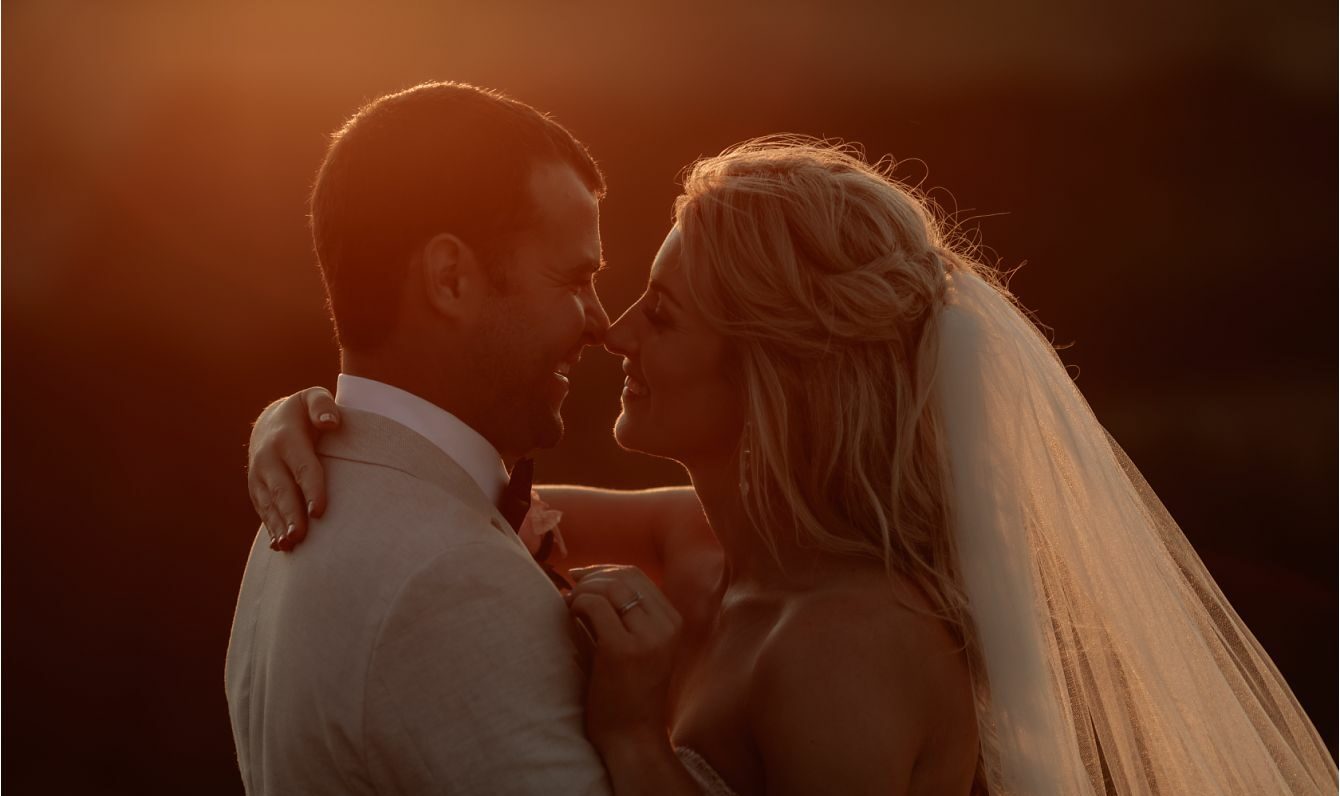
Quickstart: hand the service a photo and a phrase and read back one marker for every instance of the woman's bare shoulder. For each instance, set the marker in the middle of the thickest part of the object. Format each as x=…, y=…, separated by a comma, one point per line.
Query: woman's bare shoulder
x=876, y=627
x=875, y=641
x=855, y=678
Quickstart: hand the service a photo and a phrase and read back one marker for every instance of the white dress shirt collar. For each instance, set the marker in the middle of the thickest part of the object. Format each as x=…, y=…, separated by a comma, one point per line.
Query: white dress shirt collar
x=463, y=444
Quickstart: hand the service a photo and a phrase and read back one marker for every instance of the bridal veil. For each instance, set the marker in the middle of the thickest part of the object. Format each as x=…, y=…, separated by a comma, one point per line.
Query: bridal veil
x=1107, y=660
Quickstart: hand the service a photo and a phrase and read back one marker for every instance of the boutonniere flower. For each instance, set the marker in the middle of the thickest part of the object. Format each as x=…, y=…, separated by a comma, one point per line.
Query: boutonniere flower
x=539, y=530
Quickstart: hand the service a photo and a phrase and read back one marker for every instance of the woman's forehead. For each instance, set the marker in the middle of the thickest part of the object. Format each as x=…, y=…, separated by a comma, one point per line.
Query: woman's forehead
x=667, y=258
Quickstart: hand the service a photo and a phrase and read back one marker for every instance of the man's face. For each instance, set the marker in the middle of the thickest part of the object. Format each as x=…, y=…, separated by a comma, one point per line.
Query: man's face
x=546, y=313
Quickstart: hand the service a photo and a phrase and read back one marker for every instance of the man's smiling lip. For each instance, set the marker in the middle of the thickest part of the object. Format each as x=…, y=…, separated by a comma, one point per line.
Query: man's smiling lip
x=564, y=370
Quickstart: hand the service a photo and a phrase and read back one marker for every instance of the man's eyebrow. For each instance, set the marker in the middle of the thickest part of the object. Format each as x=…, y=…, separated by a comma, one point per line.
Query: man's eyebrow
x=593, y=266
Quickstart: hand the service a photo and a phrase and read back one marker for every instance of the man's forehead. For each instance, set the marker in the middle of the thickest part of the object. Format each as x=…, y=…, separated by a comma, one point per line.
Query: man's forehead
x=564, y=213
x=554, y=179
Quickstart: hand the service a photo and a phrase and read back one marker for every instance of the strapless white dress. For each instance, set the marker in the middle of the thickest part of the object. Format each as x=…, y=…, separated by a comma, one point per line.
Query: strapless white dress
x=708, y=779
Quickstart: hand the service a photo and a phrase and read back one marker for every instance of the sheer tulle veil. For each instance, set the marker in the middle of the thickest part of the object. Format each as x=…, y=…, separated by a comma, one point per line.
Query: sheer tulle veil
x=1106, y=659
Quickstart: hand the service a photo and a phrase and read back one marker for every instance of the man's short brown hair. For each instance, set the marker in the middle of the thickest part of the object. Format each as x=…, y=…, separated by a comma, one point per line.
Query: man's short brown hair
x=438, y=157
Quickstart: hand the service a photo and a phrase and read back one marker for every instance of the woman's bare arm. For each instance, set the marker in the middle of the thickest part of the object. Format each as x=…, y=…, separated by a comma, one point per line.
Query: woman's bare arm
x=662, y=531
x=602, y=526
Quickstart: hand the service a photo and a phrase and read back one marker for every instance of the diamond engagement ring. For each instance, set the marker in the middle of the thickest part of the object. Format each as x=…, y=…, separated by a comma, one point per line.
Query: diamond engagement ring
x=628, y=606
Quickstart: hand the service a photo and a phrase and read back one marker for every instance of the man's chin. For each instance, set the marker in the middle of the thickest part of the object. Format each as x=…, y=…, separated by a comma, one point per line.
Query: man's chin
x=548, y=432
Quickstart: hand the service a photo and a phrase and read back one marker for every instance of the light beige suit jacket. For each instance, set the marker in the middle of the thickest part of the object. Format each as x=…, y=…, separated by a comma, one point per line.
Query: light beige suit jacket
x=410, y=645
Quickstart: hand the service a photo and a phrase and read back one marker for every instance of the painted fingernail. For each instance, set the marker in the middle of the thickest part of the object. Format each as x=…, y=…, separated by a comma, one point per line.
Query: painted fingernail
x=327, y=417
x=274, y=543
x=289, y=531
x=311, y=505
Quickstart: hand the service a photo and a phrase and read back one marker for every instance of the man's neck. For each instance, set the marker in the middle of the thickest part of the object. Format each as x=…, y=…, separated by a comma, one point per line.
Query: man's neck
x=408, y=373
x=385, y=369
x=454, y=437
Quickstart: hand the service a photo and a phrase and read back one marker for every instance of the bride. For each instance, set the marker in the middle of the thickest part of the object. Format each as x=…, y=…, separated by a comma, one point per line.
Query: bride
x=912, y=560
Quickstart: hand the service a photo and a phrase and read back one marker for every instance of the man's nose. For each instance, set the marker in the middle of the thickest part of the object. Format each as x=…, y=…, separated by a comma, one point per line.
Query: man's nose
x=597, y=320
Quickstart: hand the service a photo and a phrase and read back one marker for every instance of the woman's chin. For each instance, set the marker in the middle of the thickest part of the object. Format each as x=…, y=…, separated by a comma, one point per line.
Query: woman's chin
x=628, y=436
x=621, y=433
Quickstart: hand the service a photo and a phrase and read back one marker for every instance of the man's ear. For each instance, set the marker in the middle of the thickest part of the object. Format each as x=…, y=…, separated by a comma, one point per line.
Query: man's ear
x=451, y=274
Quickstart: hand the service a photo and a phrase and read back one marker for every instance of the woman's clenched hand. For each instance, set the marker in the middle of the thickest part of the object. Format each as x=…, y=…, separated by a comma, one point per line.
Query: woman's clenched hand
x=636, y=634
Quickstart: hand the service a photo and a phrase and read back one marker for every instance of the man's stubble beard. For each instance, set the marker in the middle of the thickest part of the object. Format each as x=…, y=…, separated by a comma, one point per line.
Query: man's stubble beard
x=520, y=414
x=528, y=421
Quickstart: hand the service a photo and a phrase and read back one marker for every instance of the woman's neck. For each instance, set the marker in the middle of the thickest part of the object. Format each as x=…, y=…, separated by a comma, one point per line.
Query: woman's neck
x=749, y=564
x=718, y=489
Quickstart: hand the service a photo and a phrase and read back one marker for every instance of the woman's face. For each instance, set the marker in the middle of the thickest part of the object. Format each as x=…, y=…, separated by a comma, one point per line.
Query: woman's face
x=679, y=401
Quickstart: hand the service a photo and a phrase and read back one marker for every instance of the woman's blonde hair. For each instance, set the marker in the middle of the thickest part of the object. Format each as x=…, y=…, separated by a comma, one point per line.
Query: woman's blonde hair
x=826, y=275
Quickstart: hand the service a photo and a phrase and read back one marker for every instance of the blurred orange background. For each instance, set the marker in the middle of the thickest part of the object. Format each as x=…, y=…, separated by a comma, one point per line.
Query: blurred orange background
x=1167, y=170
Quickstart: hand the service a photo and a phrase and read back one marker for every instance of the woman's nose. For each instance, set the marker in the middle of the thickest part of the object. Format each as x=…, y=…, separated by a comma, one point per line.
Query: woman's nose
x=621, y=338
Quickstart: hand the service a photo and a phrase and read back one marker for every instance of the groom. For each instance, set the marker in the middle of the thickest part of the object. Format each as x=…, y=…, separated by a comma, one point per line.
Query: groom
x=413, y=645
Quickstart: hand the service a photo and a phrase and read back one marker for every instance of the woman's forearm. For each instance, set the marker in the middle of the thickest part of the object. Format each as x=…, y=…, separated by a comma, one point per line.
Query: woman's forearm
x=618, y=526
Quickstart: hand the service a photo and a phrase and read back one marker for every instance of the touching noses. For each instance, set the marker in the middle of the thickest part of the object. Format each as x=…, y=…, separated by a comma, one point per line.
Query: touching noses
x=597, y=320
x=619, y=338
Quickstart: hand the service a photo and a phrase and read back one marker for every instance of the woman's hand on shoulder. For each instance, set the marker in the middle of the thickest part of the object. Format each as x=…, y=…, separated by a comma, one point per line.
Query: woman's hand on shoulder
x=284, y=475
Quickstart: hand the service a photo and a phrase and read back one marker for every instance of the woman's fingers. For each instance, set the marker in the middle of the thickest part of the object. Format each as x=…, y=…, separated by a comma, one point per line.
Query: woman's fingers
x=638, y=615
x=274, y=523
x=321, y=408
x=619, y=583
x=277, y=500
x=642, y=608
x=287, y=497
x=257, y=488
x=285, y=479
x=305, y=466
x=324, y=415
x=600, y=619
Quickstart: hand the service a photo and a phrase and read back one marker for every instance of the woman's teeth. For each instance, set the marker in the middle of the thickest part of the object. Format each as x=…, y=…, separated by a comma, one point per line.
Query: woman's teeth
x=633, y=387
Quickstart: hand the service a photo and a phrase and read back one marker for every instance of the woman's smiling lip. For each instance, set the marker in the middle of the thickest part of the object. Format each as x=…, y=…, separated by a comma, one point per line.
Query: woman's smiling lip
x=633, y=387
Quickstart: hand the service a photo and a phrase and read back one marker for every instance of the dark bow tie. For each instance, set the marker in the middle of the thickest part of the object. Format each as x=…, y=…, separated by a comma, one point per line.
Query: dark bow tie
x=514, y=504
x=515, y=500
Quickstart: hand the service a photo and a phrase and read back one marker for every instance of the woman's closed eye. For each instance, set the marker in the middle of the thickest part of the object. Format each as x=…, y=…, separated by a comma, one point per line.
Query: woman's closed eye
x=655, y=311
